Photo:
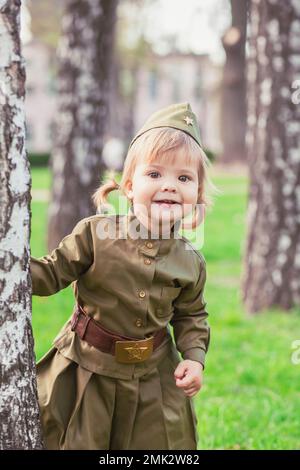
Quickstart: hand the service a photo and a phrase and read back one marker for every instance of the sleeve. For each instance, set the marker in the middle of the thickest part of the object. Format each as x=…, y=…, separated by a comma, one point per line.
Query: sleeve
x=191, y=329
x=72, y=257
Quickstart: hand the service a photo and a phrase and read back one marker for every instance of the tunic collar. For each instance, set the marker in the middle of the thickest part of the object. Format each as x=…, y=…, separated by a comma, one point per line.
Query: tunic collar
x=149, y=243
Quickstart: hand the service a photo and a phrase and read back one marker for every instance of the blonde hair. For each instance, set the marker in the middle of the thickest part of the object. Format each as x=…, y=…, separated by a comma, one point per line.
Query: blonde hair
x=157, y=144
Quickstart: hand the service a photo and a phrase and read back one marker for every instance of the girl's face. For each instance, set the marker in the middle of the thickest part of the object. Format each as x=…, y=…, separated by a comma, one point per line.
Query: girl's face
x=162, y=192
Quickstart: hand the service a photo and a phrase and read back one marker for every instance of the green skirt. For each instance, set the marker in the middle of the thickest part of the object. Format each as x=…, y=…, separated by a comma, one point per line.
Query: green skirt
x=84, y=410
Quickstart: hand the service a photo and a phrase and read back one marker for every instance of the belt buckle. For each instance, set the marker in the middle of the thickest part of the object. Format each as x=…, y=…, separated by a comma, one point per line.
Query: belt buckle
x=131, y=352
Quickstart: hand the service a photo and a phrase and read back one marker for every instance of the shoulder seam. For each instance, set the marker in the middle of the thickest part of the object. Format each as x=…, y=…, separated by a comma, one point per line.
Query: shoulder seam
x=200, y=255
x=94, y=216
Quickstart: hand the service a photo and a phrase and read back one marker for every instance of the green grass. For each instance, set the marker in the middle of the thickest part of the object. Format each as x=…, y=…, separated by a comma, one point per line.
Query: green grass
x=41, y=178
x=251, y=393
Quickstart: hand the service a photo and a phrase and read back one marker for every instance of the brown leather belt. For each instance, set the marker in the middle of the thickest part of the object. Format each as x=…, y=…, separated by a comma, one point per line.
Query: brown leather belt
x=125, y=348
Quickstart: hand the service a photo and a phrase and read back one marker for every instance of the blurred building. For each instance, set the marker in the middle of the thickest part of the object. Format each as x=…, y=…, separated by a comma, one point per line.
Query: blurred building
x=162, y=80
x=177, y=78
x=40, y=102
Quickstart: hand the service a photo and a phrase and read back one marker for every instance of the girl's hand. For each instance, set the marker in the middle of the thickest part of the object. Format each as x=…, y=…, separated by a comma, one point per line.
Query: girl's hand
x=188, y=375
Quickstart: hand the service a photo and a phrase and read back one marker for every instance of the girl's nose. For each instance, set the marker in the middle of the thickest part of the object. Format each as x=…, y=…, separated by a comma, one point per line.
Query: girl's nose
x=169, y=186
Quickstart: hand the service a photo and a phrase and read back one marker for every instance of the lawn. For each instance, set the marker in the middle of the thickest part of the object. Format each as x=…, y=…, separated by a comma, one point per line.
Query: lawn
x=251, y=393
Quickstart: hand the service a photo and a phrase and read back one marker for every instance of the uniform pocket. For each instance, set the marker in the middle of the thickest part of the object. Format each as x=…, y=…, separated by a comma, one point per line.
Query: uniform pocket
x=168, y=294
x=168, y=291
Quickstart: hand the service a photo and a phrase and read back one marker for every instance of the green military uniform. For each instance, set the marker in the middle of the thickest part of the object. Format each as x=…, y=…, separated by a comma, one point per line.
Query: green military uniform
x=134, y=287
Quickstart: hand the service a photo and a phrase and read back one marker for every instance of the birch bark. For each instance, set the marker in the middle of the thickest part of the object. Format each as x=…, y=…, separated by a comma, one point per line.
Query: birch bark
x=19, y=412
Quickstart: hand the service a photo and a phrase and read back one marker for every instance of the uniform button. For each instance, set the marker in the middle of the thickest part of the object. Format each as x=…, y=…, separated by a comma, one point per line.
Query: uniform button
x=149, y=245
x=138, y=322
x=142, y=293
x=147, y=261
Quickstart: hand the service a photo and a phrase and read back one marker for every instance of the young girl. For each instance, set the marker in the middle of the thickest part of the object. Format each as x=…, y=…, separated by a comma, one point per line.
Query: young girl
x=113, y=378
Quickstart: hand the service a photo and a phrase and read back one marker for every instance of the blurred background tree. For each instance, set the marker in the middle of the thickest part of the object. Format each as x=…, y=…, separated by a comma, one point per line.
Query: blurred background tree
x=84, y=54
x=272, y=254
x=234, y=85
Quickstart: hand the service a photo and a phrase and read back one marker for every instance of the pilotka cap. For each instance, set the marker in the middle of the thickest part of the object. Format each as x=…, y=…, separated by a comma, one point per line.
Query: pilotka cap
x=179, y=116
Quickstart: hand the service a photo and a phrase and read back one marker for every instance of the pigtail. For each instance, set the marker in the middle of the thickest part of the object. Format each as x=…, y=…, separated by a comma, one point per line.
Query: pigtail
x=100, y=196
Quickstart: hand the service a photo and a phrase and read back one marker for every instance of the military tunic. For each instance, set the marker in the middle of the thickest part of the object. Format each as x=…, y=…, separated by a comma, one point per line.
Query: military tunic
x=133, y=286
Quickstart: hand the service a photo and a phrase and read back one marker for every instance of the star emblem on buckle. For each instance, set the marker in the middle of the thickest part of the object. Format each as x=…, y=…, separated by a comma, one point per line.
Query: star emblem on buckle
x=136, y=352
x=188, y=120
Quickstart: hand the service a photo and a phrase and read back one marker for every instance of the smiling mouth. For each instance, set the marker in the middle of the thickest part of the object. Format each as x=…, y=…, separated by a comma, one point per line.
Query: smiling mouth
x=166, y=201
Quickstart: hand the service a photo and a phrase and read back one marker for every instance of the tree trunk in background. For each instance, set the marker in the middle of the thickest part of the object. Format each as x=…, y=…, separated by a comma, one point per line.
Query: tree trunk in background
x=121, y=109
x=19, y=412
x=234, y=86
x=85, y=54
x=272, y=257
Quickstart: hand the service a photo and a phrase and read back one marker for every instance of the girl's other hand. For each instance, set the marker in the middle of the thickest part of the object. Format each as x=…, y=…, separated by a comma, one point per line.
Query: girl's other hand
x=189, y=376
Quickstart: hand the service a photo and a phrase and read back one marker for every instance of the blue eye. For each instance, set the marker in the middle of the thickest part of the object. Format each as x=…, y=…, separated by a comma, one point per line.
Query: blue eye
x=185, y=176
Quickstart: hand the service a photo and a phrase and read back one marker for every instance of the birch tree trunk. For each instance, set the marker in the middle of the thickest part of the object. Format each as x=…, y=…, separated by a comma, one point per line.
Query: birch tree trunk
x=272, y=253
x=85, y=54
x=19, y=413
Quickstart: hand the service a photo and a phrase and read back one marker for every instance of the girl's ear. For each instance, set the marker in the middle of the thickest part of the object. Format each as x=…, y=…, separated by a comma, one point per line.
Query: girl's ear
x=128, y=189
